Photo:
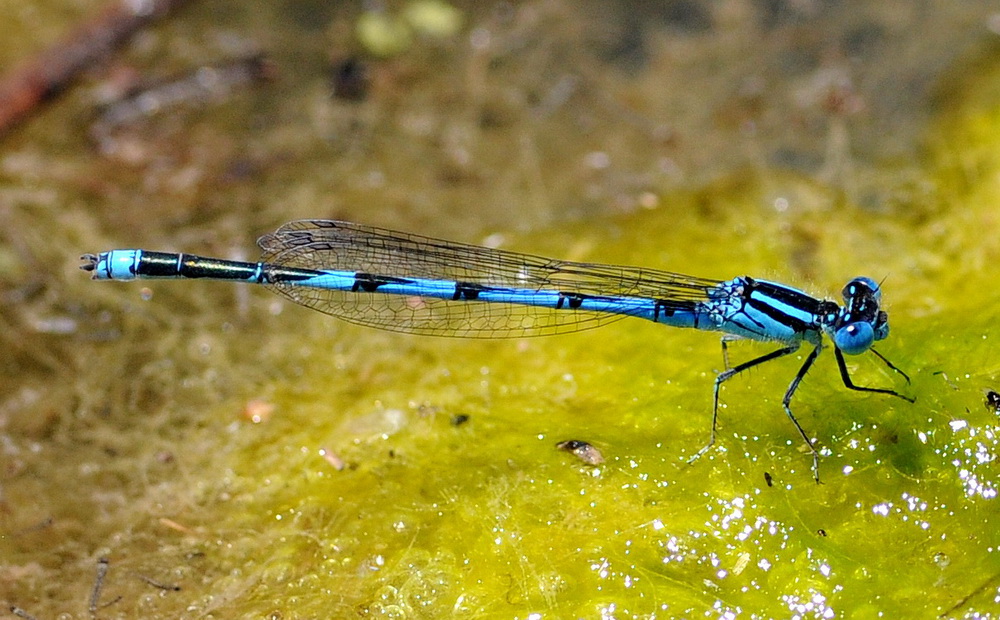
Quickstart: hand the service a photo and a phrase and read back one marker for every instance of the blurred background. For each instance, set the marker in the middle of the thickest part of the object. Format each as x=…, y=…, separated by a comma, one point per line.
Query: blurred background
x=197, y=449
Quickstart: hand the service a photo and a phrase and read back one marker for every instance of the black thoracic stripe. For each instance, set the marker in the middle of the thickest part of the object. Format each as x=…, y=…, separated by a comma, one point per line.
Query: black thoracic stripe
x=785, y=296
x=369, y=282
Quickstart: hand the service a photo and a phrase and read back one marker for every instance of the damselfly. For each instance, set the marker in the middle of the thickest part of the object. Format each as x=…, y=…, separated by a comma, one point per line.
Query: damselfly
x=409, y=283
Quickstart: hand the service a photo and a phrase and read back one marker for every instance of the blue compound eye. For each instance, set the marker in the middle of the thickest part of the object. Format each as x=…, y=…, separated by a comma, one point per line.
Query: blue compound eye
x=854, y=338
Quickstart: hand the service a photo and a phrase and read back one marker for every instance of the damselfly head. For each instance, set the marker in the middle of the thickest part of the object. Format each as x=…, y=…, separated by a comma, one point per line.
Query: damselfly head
x=862, y=288
x=862, y=322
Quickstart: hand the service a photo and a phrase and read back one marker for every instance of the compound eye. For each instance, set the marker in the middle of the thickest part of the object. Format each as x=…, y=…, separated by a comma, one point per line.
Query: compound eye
x=854, y=338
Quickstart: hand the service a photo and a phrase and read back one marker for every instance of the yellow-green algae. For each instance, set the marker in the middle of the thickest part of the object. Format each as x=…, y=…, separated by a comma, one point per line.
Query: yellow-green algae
x=154, y=465
x=488, y=519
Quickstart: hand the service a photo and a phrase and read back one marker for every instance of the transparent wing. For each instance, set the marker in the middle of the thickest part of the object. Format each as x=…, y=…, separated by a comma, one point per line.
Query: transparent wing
x=344, y=246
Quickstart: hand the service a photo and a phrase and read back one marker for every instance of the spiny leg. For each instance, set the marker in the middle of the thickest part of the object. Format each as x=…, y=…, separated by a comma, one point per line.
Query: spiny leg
x=787, y=400
x=846, y=377
x=890, y=364
x=729, y=374
x=726, y=339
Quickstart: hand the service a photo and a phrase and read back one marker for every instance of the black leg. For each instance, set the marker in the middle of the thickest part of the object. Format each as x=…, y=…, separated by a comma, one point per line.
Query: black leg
x=725, y=349
x=729, y=374
x=890, y=364
x=787, y=400
x=850, y=384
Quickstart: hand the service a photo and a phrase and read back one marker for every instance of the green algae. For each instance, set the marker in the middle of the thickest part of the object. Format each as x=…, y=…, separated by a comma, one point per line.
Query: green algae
x=358, y=495
x=488, y=519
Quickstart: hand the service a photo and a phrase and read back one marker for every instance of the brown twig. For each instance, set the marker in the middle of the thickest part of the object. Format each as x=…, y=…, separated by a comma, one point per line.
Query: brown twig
x=49, y=72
